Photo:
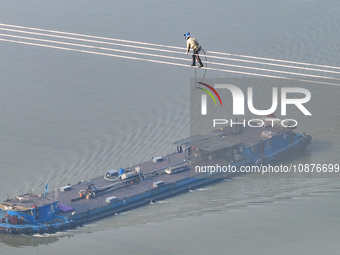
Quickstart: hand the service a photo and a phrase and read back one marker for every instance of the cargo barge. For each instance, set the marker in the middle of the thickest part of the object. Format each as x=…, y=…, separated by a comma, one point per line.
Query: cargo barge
x=122, y=189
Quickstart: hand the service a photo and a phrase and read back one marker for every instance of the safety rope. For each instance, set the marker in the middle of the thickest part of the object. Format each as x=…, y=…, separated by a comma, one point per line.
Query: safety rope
x=205, y=70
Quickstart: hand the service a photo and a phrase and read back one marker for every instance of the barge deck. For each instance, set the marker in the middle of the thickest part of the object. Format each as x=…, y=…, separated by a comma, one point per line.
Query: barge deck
x=123, y=189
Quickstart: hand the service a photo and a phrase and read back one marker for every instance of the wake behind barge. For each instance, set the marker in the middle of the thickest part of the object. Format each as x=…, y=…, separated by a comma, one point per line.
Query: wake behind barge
x=124, y=189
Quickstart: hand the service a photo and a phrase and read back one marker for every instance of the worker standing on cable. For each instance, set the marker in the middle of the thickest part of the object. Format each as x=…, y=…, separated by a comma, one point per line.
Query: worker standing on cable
x=193, y=44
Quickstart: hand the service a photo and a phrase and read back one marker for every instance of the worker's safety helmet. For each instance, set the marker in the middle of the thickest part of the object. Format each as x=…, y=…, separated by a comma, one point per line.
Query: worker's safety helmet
x=187, y=35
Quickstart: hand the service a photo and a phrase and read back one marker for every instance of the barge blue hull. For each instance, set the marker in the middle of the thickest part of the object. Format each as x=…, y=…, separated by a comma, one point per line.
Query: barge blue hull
x=144, y=183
